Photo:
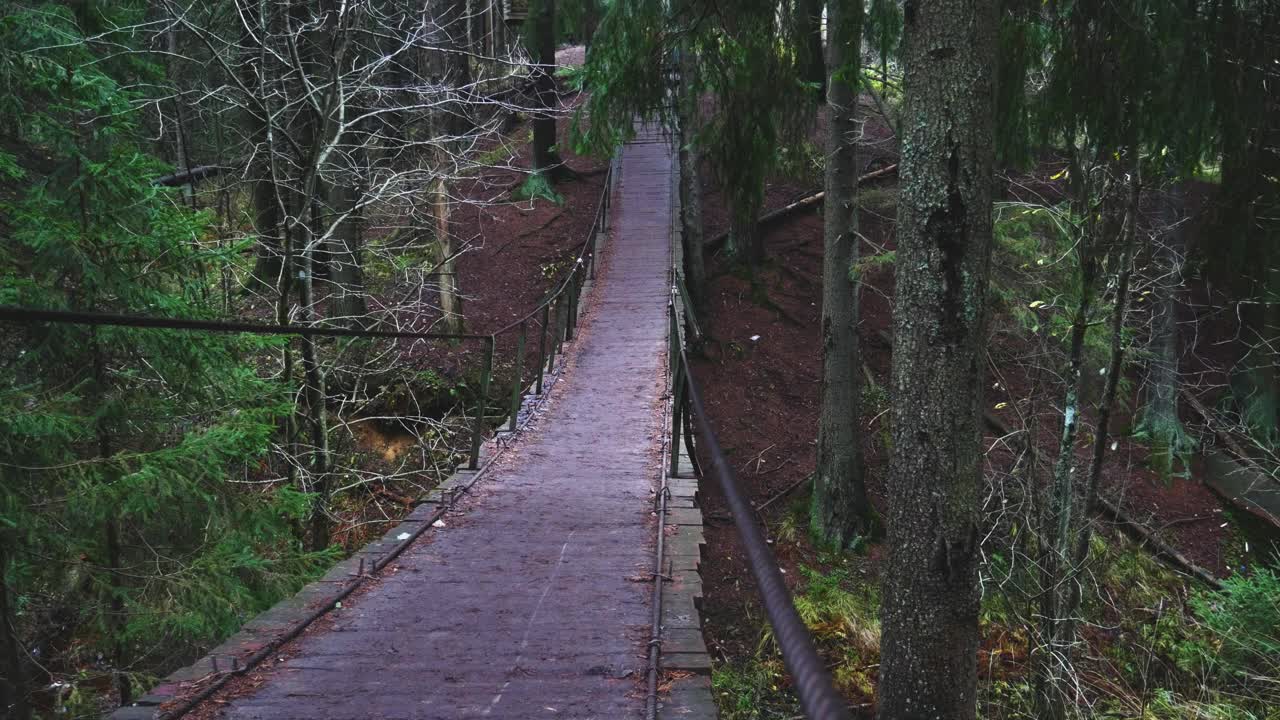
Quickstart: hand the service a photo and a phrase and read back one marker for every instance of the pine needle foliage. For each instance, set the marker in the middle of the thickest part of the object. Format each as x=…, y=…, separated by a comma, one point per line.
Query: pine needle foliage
x=128, y=543
x=747, y=67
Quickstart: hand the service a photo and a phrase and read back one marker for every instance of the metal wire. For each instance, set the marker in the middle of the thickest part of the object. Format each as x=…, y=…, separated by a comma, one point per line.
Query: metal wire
x=34, y=316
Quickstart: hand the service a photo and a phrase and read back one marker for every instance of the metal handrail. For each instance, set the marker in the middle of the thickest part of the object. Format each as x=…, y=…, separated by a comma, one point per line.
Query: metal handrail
x=818, y=696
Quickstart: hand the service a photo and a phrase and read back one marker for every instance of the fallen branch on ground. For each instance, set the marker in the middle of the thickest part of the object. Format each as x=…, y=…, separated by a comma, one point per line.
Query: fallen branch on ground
x=801, y=204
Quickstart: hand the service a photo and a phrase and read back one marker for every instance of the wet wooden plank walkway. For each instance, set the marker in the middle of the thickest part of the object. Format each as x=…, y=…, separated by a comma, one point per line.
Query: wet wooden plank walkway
x=534, y=601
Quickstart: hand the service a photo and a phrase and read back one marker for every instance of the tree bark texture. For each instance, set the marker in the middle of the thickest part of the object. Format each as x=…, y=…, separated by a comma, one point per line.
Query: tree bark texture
x=545, y=158
x=450, y=297
x=690, y=179
x=1160, y=416
x=347, y=304
x=839, y=512
x=445, y=124
x=255, y=75
x=1052, y=651
x=13, y=681
x=811, y=21
x=930, y=598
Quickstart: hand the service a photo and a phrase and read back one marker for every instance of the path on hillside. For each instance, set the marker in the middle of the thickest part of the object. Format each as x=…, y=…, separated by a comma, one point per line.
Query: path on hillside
x=528, y=604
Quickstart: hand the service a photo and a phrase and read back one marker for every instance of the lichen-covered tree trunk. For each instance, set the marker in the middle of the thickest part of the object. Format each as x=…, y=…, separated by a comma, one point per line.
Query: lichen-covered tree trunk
x=839, y=511
x=447, y=124
x=690, y=178
x=450, y=298
x=930, y=599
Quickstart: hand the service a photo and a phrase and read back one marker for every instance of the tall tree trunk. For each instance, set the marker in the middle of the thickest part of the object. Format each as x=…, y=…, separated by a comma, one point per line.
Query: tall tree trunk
x=316, y=130
x=181, y=150
x=450, y=297
x=265, y=208
x=317, y=412
x=840, y=512
x=349, y=180
x=447, y=124
x=690, y=178
x=13, y=680
x=1052, y=651
x=588, y=21
x=1114, y=367
x=111, y=531
x=345, y=270
x=545, y=159
x=930, y=599
x=456, y=65
x=284, y=304
x=1160, y=416
x=746, y=241
x=1269, y=380
x=810, y=19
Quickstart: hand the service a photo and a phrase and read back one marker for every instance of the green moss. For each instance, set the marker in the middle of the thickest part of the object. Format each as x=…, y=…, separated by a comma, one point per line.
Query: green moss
x=536, y=186
x=752, y=690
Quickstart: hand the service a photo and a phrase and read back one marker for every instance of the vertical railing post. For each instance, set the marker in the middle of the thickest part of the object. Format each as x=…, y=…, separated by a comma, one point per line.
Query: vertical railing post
x=518, y=385
x=482, y=404
x=677, y=386
x=577, y=297
x=542, y=348
x=677, y=404
x=555, y=337
x=673, y=339
x=565, y=299
x=571, y=314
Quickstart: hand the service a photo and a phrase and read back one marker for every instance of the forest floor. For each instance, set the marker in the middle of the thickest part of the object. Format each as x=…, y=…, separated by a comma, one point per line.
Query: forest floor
x=761, y=370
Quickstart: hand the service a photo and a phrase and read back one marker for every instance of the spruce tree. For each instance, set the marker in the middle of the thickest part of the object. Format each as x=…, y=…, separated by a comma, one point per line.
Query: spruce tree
x=119, y=510
x=839, y=510
x=930, y=598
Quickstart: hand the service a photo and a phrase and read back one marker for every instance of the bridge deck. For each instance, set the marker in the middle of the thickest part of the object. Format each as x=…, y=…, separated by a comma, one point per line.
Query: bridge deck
x=535, y=600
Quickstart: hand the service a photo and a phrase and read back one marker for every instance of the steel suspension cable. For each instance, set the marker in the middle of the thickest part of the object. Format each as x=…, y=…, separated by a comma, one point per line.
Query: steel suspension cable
x=818, y=696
